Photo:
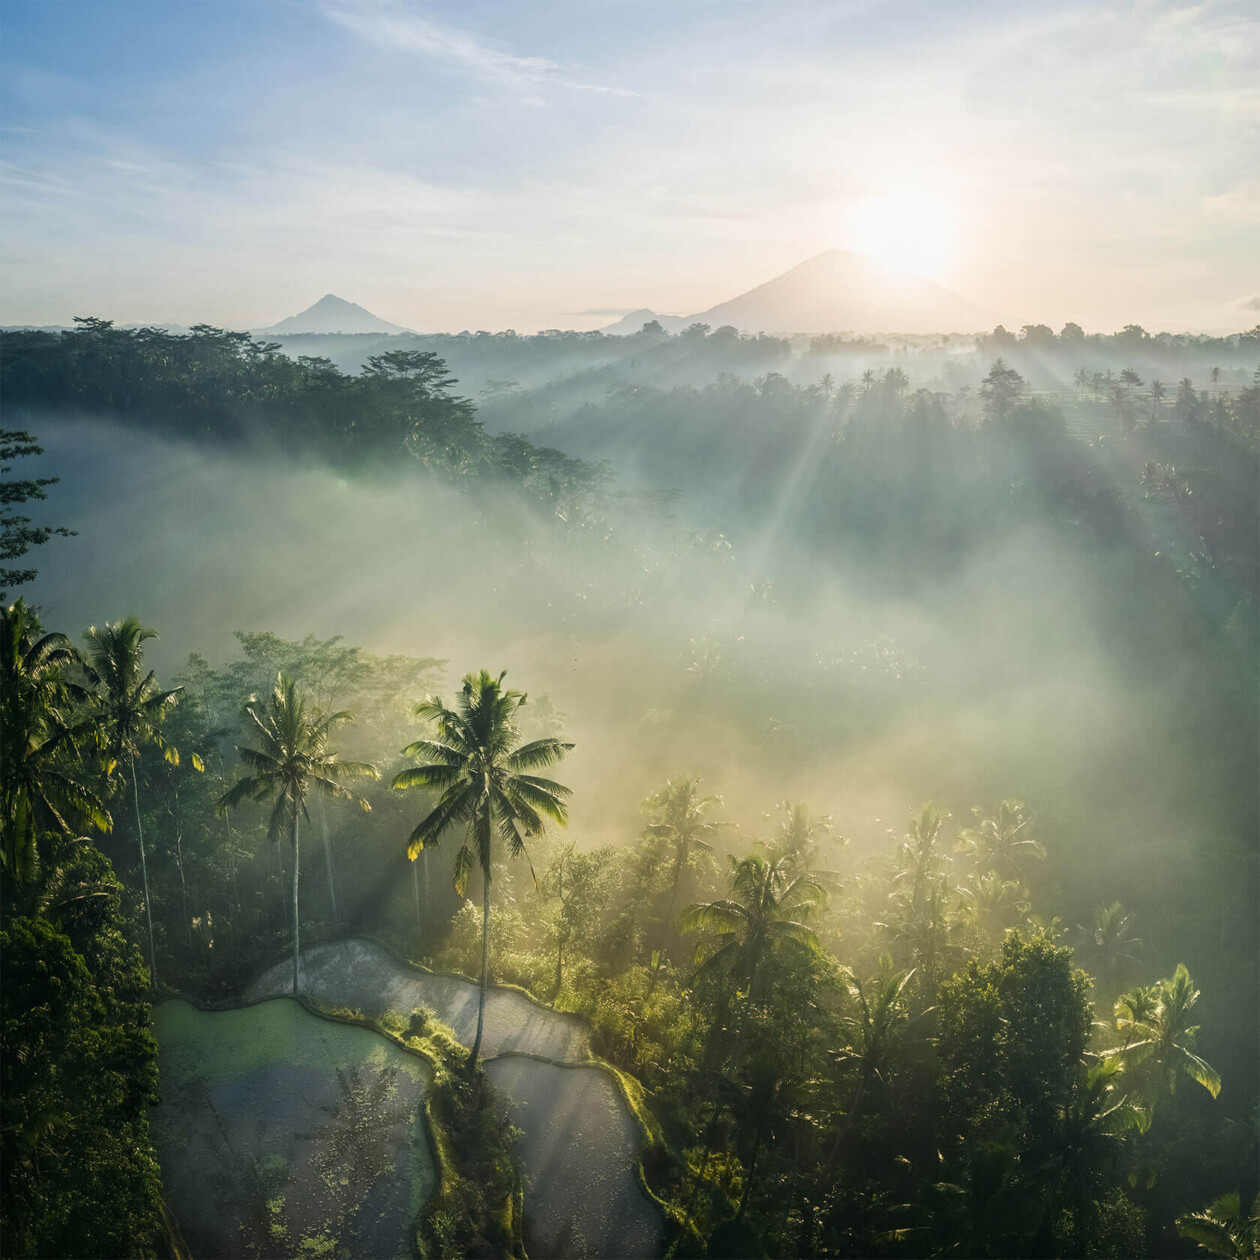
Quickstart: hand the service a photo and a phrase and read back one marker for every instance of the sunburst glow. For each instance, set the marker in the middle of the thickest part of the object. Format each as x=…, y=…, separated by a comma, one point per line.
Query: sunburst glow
x=906, y=232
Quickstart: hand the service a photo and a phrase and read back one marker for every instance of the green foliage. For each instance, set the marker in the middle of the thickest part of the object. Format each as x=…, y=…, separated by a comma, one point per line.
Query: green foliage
x=1012, y=1034
x=44, y=779
x=17, y=532
x=225, y=387
x=1223, y=1229
x=79, y=1072
x=1159, y=1040
x=475, y=1213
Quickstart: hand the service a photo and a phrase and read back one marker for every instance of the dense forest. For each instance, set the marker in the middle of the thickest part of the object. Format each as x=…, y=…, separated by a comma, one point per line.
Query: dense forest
x=911, y=871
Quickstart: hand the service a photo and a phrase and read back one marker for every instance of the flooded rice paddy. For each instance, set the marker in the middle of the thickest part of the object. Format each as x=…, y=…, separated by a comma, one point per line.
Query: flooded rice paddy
x=283, y=1134
x=295, y=1135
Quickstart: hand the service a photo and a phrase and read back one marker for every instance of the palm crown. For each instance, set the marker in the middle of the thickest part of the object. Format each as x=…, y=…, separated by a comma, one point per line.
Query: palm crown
x=38, y=782
x=768, y=906
x=293, y=758
x=482, y=771
x=132, y=702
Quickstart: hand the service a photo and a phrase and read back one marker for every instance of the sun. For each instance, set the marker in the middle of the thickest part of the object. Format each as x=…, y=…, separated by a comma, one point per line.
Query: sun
x=906, y=232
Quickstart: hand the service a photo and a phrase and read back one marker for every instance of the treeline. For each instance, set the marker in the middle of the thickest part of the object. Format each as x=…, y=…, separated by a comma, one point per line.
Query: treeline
x=893, y=1056
x=897, y=1056
x=228, y=388
x=1131, y=339
x=903, y=483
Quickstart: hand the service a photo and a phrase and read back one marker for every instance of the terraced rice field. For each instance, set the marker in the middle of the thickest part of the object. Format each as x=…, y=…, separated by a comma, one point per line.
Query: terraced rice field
x=577, y=1151
x=283, y=1134
x=580, y=1142
x=361, y=976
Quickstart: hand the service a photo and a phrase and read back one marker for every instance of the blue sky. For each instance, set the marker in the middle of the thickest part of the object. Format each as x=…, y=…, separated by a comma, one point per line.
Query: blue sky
x=487, y=165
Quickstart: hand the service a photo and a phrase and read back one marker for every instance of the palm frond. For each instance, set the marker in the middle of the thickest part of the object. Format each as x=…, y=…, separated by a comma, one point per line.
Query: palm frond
x=432, y=777
x=536, y=755
x=713, y=916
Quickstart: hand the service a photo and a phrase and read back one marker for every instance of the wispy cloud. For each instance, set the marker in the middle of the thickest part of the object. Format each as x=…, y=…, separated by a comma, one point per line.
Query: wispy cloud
x=398, y=27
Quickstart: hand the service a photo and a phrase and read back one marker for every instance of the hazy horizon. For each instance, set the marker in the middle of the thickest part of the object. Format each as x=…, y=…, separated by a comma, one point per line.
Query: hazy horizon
x=481, y=166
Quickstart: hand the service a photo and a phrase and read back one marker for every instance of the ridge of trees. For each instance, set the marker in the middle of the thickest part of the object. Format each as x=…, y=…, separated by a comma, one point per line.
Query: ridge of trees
x=228, y=388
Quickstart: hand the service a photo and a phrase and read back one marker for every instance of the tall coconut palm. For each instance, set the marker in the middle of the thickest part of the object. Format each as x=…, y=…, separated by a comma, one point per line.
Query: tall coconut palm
x=292, y=761
x=677, y=813
x=132, y=707
x=483, y=772
x=1002, y=841
x=768, y=907
x=1160, y=1037
x=1111, y=942
x=919, y=915
x=41, y=727
x=801, y=831
x=875, y=1027
x=993, y=903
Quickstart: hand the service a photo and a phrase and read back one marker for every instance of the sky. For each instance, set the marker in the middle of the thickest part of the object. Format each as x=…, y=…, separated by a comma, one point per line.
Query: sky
x=555, y=163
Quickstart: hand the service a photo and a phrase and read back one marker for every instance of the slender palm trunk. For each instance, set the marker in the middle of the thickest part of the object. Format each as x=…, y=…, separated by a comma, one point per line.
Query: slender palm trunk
x=183, y=885
x=847, y=1119
x=332, y=884
x=236, y=896
x=179, y=862
x=144, y=874
x=297, y=866
x=415, y=888
x=280, y=879
x=669, y=918
x=485, y=968
x=424, y=859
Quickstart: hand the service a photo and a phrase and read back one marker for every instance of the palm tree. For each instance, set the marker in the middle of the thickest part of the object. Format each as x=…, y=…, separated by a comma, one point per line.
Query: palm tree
x=919, y=903
x=678, y=816
x=880, y=1018
x=1221, y=1229
x=292, y=761
x=132, y=708
x=1134, y=1009
x=1002, y=841
x=1090, y=1129
x=767, y=908
x=801, y=831
x=1158, y=1034
x=482, y=770
x=993, y=903
x=39, y=736
x=1111, y=941
x=1158, y=394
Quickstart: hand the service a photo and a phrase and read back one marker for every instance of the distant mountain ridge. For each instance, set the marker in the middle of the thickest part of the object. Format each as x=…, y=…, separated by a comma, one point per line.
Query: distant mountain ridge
x=332, y=314
x=836, y=292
